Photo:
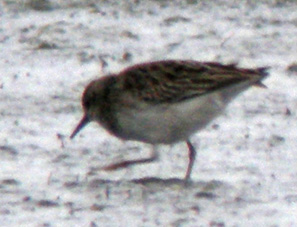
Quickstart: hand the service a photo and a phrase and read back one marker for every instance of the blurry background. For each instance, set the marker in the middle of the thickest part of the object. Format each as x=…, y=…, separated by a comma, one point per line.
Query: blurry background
x=245, y=173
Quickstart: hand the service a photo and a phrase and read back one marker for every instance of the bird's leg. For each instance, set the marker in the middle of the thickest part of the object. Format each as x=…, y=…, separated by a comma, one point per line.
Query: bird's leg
x=192, y=156
x=127, y=163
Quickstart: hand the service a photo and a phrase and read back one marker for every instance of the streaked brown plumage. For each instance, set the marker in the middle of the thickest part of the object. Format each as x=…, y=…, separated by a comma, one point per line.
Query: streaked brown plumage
x=164, y=101
x=172, y=81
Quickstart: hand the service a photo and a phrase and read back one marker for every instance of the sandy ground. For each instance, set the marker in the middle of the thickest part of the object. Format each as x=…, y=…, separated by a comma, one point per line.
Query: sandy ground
x=246, y=172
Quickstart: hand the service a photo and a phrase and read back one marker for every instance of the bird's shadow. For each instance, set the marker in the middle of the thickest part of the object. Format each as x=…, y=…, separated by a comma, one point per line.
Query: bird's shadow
x=146, y=181
x=201, y=189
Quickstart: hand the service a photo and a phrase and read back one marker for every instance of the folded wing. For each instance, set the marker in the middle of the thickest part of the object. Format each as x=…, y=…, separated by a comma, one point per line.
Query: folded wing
x=175, y=81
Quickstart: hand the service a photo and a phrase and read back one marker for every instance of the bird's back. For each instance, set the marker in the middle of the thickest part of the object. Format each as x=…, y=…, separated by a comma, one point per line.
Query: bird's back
x=175, y=81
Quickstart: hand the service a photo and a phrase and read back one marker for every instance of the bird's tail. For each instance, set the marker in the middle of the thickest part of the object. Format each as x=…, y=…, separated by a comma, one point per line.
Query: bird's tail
x=262, y=71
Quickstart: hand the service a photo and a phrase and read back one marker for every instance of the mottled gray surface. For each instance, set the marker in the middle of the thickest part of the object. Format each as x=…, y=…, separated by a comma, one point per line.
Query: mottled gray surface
x=246, y=172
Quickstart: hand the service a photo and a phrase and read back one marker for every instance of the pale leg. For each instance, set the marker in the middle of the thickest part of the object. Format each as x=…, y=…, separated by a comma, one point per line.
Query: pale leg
x=192, y=156
x=128, y=163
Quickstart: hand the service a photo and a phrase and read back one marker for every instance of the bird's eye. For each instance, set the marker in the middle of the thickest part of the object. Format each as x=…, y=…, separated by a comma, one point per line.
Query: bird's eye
x=87, y=104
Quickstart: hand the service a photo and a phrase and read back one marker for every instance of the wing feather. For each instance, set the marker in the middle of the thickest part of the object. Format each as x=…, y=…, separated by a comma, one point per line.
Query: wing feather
x=174, y=81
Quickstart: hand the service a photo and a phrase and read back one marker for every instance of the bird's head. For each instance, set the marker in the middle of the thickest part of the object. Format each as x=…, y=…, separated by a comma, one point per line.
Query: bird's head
x=93, y=99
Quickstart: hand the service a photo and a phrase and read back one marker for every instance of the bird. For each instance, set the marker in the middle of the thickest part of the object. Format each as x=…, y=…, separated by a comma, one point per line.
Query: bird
x=164, y=102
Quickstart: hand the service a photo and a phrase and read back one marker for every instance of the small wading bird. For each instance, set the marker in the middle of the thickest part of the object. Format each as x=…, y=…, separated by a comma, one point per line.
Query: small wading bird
x=164, y=102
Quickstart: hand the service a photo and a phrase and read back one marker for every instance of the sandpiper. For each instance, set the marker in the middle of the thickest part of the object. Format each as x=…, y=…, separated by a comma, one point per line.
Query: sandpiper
x=164, y=102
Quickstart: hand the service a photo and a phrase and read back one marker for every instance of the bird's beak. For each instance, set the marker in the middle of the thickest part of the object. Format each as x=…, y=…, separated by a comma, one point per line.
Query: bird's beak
x=83, y=122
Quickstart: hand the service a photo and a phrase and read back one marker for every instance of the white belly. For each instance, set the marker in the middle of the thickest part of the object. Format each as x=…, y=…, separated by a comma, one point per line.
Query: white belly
x=169, y=123
x=174, y=122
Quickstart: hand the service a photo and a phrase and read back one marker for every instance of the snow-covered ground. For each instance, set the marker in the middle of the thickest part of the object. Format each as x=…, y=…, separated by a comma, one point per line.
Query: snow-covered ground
x=246, y=170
